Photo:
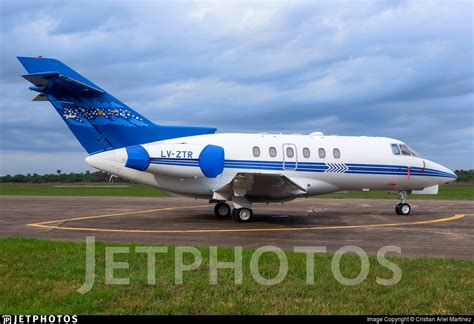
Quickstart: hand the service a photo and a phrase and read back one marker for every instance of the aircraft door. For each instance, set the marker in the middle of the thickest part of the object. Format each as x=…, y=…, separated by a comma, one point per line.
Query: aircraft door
x=290, y=156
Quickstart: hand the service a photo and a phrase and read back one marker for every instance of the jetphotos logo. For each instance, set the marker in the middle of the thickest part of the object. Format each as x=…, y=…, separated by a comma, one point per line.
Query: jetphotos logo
x=183, y=255
x=34, y=319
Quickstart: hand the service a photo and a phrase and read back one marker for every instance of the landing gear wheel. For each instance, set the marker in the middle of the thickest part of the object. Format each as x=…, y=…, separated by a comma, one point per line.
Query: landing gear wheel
x=222, y=209
x=403, y=209
x=242, y=215
x=397, y=208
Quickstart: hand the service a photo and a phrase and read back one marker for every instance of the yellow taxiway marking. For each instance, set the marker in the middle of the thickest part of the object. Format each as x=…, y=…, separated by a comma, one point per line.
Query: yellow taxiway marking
x=48, y=224
x=117, y=214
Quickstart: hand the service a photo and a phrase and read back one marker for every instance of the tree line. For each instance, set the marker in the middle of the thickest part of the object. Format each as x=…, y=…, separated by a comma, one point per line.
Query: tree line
x=99, y=176
x=59, y=177
x=465, y=175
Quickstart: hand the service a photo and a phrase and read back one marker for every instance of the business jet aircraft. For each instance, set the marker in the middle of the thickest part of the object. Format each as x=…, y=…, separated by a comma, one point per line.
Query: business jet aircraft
x=239, y=168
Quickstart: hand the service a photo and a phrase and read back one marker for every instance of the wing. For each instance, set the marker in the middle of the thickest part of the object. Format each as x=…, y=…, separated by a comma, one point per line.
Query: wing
x=260, y=187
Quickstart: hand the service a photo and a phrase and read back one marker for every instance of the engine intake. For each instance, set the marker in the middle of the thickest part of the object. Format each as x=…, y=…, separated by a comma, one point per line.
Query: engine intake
x=211, y=161
x=138, y=158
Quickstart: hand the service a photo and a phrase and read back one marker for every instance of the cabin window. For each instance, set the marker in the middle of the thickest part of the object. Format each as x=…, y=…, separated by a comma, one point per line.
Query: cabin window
x=256, y=151
x=272, y=151
x=404, y=149
x=395, y=149
x=290, y=152
x=336, y=153
x=306, y=153
x=322, y=153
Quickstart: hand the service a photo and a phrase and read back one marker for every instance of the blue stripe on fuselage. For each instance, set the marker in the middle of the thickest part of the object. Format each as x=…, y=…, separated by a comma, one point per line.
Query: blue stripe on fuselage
x=352, y=168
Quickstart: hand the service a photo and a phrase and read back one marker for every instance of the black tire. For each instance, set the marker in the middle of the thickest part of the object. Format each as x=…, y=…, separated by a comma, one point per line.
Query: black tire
x=397, y=209
x=403, y=209
x=242, y=215
x=222, y=210
x=234, y=214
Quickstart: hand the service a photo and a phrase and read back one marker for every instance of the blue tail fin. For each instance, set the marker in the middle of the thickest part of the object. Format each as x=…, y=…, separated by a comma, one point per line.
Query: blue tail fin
x=98, y=120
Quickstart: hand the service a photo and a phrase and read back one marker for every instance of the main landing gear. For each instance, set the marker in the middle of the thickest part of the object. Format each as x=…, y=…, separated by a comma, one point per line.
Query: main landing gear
x=241, y=215
x=402, y=208
x=222, y=209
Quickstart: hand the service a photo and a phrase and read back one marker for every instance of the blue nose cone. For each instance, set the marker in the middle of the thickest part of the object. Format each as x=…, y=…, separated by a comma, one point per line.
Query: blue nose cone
x=211, y=161
x=138, y=158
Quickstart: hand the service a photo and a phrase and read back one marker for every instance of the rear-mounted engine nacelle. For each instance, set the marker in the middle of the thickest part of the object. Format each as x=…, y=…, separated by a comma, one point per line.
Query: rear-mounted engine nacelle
x=179, y=160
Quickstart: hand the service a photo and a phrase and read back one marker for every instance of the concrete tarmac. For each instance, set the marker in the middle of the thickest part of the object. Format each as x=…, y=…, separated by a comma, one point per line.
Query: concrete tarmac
x=439, y=228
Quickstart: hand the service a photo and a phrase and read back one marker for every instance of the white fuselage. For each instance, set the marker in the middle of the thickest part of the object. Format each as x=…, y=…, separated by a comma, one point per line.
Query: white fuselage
x=363, y=163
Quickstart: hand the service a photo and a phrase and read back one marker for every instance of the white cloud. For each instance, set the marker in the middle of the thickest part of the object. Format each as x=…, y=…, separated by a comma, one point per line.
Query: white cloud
x=350, y=67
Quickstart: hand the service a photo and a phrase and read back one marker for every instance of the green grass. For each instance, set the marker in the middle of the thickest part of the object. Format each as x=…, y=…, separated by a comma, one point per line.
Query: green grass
x=451, y=191
x=41, y=277
x=72, y=189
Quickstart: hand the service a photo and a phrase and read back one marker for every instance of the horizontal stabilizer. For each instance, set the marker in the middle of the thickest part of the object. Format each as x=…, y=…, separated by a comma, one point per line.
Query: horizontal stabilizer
x=40, y=79
x=40, y=97
x=54, y=81
x=78, y=85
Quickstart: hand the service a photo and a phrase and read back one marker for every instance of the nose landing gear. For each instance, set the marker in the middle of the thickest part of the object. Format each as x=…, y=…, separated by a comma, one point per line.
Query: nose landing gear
x=402, y=208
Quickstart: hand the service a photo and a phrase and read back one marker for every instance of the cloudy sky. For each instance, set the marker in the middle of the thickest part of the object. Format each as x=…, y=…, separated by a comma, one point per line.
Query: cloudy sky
x=401, y=69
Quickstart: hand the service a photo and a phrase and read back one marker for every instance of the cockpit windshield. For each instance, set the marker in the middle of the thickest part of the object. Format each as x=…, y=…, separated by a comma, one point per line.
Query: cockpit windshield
x=413, y=152
x=403, y=149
